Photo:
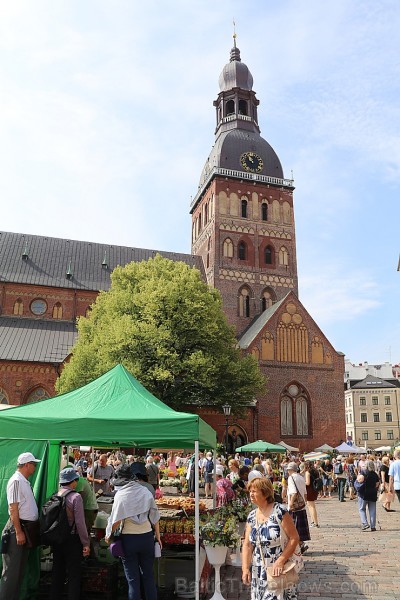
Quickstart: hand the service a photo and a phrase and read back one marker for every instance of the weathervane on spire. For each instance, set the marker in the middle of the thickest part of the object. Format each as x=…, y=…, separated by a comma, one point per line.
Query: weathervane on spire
x=234, y=33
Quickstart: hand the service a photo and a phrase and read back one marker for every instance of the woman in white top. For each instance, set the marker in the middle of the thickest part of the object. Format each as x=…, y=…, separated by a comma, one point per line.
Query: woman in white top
x=297, y=485
x=134, y=507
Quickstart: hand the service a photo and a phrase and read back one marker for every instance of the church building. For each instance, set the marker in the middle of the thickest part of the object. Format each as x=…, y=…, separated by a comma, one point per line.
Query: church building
x=244, y=244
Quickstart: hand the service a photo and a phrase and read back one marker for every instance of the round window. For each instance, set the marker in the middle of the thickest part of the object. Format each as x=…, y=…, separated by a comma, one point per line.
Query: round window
x=38, y=307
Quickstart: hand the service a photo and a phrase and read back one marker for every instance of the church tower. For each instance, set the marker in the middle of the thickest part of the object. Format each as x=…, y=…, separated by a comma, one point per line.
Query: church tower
x=242, y=215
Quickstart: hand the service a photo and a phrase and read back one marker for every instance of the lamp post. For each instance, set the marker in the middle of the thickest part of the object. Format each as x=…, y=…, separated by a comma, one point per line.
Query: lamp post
x=227, y=411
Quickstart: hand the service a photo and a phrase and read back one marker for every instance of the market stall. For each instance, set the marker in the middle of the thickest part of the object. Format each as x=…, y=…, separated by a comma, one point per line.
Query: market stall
x=111, y=411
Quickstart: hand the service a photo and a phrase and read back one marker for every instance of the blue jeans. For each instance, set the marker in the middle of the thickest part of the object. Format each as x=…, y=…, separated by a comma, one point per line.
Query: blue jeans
x=362, y=509
x=138, y=561
x=341, y=484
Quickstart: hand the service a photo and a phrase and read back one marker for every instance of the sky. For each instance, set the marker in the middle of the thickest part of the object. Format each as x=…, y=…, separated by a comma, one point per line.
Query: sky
x=106, y=120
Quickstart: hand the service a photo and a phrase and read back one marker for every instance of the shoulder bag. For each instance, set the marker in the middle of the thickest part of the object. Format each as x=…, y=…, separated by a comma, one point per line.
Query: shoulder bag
x=289, y=575
x=298, y=500
x=116, y=548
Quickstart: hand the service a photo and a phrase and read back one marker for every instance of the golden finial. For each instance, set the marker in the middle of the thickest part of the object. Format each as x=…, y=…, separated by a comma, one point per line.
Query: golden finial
x=234, y=33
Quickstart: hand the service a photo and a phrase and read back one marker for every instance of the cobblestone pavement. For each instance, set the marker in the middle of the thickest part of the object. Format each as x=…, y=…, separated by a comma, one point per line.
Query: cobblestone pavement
x=342, y=562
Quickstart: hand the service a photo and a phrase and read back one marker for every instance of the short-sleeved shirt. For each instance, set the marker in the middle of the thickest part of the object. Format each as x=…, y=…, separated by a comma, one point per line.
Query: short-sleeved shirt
x=394, y=471
x=19, y=491
x=300, y=483
x=100, y=472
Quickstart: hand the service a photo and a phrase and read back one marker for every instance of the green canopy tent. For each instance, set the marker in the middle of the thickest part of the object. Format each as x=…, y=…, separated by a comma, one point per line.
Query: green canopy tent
x=260, y=446
x=113, y=410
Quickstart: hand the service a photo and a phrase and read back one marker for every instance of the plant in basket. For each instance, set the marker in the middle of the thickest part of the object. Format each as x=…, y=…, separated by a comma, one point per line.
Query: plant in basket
x=219, y=530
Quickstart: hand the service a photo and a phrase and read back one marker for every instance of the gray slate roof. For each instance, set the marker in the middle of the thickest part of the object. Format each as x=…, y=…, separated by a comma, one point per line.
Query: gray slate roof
x=35, y=340
x=49, y=259
x=371, y=382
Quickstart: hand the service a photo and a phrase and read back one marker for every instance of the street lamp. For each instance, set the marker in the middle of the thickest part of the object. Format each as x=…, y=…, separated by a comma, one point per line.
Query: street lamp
x=227, y=411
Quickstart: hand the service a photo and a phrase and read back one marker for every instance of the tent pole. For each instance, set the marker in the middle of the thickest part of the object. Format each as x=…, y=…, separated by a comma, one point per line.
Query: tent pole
x=196, y=520
x=214, y=483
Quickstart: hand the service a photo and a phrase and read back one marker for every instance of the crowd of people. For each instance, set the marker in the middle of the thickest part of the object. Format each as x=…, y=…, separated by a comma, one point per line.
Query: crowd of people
x=281, y=493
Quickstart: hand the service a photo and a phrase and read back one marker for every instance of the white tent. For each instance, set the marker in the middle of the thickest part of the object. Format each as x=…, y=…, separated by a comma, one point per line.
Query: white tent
x=324, y=448
x=383, y=449
x=288, y=447
x=346, y=449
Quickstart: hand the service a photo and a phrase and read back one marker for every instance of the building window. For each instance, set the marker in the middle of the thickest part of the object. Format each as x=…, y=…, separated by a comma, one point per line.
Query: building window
x=243, y=107
x=268, y=254
x=283, y=256
x=37, y=394
x=242, y=251
x=264, y=211
x=244, y=303
x=363, y=417
x=378, y=435
x=18, y=307
x=375, y=400
x=363, y=401
x=266, y=300
x=376, y=418
x=364, y=435
x=38, y=307
x=228, y=248
x=57, y=311
x=387, y=400
x=3, y=397
x=287, y=416
x=244, y=209
x=301, y=416
x=389, y=417
x=390, y=435
x=230, y=107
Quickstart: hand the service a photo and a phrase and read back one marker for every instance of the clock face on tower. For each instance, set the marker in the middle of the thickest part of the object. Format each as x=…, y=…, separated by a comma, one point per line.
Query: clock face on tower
x=250, y=161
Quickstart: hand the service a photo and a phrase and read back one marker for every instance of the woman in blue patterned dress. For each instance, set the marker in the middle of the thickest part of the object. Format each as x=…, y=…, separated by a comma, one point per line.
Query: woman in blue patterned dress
x=263, y=535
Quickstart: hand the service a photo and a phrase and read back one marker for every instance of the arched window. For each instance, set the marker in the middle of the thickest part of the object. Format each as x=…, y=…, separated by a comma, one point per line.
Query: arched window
x=242, y=107
x=266, y=300
x=18, y=307
x=3, y=397
x=244, y=303
x=268, y=255
x=38, y=393
x=283, y=256
x=242, y=251
x=199, y=222
x=286, y=416
x=230, y=107
x=228, y=248
x=264, y=211
x=301, y=416
x=57, y=311
x=244, y=209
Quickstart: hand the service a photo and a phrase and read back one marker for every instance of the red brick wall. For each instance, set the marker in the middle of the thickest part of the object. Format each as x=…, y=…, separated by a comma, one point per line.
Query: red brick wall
x=19, y=379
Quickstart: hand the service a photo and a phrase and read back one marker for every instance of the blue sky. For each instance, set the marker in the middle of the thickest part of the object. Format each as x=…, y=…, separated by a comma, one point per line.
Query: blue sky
x=106, y=119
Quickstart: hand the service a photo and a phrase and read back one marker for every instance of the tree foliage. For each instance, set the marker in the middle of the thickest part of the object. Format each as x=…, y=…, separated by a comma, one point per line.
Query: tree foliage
x=167, y=327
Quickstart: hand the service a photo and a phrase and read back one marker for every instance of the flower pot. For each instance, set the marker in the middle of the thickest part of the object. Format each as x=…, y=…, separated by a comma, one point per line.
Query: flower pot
x=216, y=557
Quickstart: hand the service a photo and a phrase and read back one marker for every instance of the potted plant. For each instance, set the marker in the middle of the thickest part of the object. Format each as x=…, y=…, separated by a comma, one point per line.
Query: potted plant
x=218, y=533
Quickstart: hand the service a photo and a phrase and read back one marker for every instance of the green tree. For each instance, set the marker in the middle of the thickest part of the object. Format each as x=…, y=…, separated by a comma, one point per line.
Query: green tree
x=167, y=327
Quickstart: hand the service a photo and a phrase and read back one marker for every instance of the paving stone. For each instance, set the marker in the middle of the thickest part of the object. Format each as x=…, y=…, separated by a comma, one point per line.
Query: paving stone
x=343, y=562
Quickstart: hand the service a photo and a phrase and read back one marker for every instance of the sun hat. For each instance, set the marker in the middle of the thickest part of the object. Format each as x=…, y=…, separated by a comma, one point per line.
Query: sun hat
x=68, y=475
x=340, y=457
x=123, y=476
x=138, y=468
x=292, y=466
x=254, y=475
x=219, y=470
x=27, y=457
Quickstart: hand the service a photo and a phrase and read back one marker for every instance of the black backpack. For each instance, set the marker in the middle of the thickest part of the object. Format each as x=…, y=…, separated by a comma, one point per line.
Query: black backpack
x=209, y=466
x=53, y=520
x=316, y=481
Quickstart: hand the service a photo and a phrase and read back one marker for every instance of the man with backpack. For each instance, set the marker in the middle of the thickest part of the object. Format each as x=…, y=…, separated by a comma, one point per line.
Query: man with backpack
x=69, y=534
x=23, y=512
x=340, y=477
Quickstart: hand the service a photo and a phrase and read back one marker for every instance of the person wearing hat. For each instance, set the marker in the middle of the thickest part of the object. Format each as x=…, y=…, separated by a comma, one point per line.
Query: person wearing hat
x=297, y=485
x=135, y=512
x=22, y=509
x=67, y=556
x=139, y=470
